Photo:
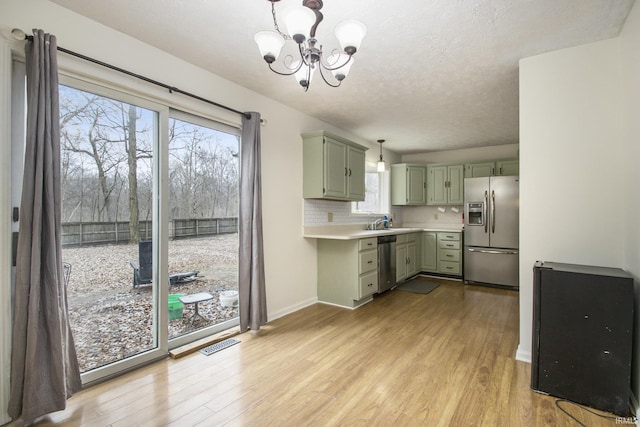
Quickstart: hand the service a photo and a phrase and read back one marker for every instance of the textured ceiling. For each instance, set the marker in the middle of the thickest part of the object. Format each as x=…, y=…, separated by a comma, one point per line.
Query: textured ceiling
x=430, y=75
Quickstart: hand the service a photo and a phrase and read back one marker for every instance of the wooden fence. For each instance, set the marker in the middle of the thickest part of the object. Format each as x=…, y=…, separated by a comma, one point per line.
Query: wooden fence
x=95, y=233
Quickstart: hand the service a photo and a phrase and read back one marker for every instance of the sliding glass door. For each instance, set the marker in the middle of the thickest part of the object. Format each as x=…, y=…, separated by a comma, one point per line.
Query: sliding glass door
x=149, y=223
x=110, y=144
x=204, y=173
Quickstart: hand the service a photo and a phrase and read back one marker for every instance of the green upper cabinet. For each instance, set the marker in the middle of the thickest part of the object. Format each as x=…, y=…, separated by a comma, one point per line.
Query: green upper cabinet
x=445, y=184
x=497, y=168
x=476, y=170
x=356, y=173
x=408, y=184
x=508, y=168
x=333, y=167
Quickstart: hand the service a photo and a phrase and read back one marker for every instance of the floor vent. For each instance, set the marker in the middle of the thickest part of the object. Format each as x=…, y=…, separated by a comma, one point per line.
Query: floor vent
x=208, y=351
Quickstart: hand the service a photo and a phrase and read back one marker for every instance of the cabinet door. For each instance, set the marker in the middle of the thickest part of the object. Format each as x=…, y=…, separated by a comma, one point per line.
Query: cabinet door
x=355, y=172
x=416, y=185
x=335, y=169
x=368, y=284
x=479, y=170
x=455, y=192
x=412, y=260
x=508, y=168
x=436, y=190
x=401, y=262
x=429, y=254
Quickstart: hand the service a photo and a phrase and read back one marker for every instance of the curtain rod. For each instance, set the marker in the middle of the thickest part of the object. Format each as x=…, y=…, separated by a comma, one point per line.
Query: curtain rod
x=170, y=88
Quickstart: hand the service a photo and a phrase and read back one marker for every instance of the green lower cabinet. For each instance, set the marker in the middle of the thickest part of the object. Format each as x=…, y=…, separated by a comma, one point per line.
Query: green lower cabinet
x=429, y=251
x=407, y=256
x=347, y=271
x=401, y=262
x=442, y=253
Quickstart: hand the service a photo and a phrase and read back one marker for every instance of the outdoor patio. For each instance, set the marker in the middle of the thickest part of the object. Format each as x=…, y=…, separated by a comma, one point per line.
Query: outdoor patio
x=112, y=320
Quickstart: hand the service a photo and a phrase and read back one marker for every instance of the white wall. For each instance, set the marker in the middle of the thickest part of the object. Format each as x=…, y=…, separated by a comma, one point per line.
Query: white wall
x=630, y=51
x=578, y=161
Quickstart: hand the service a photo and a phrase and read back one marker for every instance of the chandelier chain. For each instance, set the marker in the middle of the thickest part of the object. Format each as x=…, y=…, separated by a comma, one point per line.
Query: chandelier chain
x=275, y=22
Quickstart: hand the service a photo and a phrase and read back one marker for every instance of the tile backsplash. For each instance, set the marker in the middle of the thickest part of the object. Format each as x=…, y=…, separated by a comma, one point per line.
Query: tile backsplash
x=316, y=213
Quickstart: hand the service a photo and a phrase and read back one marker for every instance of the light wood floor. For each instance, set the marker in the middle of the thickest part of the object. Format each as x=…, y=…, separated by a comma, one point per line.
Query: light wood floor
x=442, y=359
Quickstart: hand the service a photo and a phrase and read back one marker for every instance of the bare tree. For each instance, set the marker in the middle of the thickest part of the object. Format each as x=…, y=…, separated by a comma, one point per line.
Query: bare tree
x=132, y=161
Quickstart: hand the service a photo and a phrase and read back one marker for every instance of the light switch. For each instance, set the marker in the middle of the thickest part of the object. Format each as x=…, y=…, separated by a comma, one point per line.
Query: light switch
x=330, y=216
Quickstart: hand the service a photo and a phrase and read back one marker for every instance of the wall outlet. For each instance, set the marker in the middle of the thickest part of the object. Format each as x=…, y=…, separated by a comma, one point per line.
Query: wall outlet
x=330, y=216
x=435, y=216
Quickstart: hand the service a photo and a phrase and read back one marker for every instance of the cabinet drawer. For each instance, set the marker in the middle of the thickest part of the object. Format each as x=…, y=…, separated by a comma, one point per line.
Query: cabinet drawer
x=369, y=243
x=449, y=255
x=368, y=261
x=449, y=267
x=401, y=238
x=411, y=237
x=368, y=284
x=448, y=244
x=449, y=236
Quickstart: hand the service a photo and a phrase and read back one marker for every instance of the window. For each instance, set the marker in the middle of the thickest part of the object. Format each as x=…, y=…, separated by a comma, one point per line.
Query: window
x=376, y=196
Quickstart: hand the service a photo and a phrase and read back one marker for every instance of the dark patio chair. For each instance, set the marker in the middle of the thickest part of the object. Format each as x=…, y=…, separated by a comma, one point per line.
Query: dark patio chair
x=142, y=275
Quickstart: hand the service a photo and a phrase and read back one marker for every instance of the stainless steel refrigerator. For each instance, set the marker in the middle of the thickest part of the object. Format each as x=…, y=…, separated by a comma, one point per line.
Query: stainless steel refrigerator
x=491, y=206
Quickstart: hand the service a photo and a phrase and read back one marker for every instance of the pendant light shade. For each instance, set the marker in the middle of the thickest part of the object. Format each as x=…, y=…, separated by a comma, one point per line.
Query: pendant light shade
x=299, y=21
x=350, y=34
x=270, y=44
x=381, y=166
x=304, y=75
x=335, y=60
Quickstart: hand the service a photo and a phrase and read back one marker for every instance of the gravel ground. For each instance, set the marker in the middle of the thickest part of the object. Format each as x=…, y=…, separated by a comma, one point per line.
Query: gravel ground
x=111, y=320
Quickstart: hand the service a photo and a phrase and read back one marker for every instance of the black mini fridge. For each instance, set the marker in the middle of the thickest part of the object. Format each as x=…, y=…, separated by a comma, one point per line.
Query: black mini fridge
x=582, y=334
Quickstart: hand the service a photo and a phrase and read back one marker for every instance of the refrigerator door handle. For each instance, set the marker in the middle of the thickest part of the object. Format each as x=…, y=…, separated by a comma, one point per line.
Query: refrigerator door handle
x=489, y=251
x=486, y=200
x=493, y=212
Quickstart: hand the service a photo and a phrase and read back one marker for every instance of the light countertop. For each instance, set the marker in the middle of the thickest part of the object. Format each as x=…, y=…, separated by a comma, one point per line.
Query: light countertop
x=338, y=232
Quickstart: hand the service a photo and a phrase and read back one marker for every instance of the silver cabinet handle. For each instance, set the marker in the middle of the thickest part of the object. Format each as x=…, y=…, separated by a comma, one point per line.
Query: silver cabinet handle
x=486, y=201
x=493, y=211
x=488, y=251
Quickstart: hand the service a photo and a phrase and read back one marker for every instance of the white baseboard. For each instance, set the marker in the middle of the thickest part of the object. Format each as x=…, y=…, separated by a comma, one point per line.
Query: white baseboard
x=291, y=309
x=523, y=355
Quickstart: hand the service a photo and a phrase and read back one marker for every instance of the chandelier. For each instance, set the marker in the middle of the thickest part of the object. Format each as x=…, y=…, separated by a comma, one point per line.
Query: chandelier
x=301, y=23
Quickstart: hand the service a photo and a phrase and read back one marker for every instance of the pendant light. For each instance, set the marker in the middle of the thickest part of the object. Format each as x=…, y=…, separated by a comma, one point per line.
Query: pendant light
x=381, y=165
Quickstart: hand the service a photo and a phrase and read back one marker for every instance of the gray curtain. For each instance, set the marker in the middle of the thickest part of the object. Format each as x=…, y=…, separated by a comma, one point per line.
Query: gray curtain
x=44, y=366
x=253, y=303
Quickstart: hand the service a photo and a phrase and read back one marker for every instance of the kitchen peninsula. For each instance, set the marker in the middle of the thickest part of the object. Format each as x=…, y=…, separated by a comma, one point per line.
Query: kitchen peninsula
x=350, y=259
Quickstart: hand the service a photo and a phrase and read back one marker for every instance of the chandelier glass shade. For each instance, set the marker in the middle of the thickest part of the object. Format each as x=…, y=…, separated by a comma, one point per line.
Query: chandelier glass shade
x=301, y=23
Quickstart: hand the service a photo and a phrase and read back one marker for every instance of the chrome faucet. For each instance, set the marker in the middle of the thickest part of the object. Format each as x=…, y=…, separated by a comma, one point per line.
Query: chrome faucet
x=374, y=225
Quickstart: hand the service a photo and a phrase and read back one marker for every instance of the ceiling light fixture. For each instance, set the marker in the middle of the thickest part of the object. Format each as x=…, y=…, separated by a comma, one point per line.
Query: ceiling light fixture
x=301, y=23
x=381, y=167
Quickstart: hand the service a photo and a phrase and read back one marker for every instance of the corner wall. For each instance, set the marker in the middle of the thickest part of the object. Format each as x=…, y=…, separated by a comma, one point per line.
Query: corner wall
x=630, y=52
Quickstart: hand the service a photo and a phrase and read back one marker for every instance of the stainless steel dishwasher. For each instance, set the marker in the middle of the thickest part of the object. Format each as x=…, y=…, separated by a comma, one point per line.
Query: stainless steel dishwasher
x=386, y=263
